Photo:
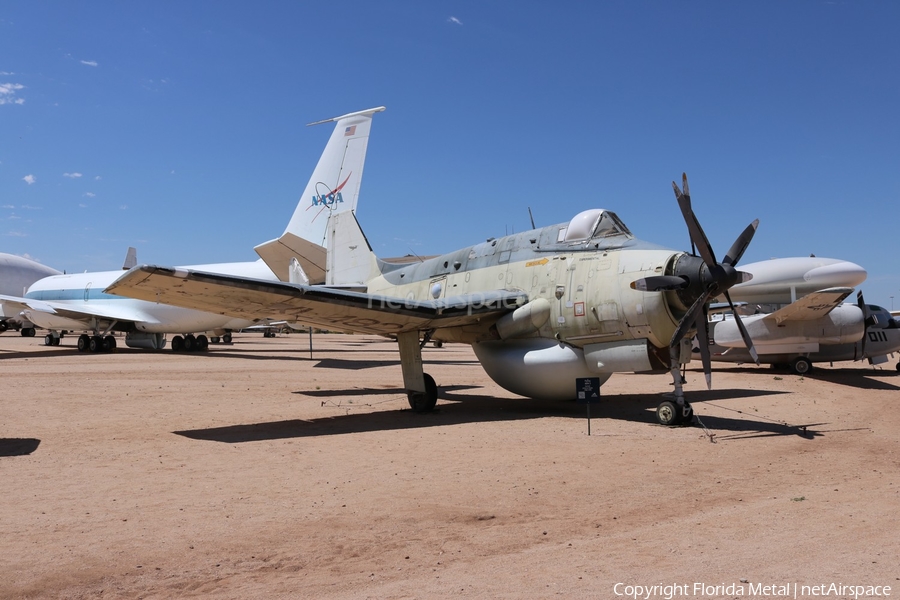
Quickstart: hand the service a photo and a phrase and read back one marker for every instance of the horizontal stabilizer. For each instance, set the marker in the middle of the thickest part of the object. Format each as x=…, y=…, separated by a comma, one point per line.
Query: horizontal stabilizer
x=277, y=255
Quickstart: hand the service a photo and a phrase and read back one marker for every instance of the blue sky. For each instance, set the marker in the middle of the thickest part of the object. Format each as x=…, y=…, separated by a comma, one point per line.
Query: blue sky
x=179, y=127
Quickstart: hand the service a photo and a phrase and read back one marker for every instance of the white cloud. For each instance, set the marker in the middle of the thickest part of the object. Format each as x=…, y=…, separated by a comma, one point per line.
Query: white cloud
x=90, y=63
x=72, y=175
x=82, y=206
x=8, y=93
x=454, y=20
x=29, y=179
x=123, y=207
x=97, y=178
x=29, y=207
x=90, y=194
x=17, y=234
x=13, y=218
x=7, y=206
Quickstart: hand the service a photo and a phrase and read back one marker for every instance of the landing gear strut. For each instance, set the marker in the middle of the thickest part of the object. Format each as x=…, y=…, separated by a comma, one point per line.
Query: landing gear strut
x=421, y=390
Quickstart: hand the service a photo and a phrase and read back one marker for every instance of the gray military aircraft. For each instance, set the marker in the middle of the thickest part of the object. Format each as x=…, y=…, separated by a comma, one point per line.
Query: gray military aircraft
x=816, y=328
x=540, y=308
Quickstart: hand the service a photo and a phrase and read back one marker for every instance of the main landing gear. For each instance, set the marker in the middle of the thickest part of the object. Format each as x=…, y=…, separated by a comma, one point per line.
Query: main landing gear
x=421, y=390
x=189, y=343
x=95, y=343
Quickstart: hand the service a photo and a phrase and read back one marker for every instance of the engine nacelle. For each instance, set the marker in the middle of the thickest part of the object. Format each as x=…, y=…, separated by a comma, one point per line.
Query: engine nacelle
x=150, y=341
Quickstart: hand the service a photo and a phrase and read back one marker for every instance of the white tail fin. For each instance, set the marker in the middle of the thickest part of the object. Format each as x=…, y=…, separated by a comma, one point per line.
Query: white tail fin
x=130, y=258
x=351, y=262
x=332, y=189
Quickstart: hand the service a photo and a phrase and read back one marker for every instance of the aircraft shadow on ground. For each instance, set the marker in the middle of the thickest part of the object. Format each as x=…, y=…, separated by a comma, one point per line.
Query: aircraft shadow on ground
x=859, y=378
x=18, y=446
x=459, y=408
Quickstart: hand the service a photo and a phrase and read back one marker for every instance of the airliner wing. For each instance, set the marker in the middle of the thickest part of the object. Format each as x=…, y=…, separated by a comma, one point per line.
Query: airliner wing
x=314, y=305
x=815, y=305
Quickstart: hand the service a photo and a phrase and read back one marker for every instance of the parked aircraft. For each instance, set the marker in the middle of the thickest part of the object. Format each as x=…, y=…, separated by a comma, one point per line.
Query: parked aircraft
x=77, y=302
x=816, y=328
x=16, y=274
x=540, y=308
x=781, y=281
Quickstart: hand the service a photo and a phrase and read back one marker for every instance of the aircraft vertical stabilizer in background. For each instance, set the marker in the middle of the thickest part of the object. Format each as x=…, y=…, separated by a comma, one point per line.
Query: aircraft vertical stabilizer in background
x=16, y=274
x=78, y=302
x=333, y=188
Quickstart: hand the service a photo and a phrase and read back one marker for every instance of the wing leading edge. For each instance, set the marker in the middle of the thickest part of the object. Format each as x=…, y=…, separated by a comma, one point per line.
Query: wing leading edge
x=314, y=305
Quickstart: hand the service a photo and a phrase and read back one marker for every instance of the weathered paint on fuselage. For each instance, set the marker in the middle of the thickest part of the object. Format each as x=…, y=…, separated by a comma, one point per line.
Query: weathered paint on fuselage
x=587, y=283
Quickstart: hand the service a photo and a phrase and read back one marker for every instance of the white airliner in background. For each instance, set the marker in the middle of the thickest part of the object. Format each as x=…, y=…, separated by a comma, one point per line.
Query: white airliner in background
x=77, y=302
x=16, y=275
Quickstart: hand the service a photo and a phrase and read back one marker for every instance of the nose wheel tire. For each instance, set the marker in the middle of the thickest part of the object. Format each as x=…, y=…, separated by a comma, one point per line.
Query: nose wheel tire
x=668, y=413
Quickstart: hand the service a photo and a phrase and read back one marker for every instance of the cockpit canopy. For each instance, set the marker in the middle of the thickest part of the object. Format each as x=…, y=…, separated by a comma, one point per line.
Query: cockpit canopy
x=591, y=224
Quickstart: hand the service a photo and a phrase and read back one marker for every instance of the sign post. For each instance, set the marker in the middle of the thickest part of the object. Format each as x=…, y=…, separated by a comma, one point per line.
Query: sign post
x=588, y=392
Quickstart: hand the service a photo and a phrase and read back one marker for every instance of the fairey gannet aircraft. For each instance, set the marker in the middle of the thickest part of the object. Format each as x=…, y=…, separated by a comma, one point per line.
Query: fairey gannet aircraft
x=16, y=274
x=540, y=308
x=77, y=302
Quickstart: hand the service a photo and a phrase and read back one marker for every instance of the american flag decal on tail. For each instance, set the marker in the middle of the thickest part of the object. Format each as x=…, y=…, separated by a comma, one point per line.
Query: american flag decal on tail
x=350, y=130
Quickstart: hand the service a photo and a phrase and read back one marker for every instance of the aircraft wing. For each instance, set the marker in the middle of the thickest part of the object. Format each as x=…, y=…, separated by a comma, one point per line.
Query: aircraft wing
x=815, y=305
x=325, y=307
x=11, y=305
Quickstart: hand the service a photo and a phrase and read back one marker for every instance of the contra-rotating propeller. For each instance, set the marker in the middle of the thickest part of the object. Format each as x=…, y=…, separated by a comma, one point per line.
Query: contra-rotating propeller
x=697, y=279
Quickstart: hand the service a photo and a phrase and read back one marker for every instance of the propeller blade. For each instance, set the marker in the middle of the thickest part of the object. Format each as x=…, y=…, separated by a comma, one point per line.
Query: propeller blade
x=698, y=237
x=740, y=244
x=746, y=336
x=688, y=320
x=861, y=303
x=659, y=283
x=703, y=341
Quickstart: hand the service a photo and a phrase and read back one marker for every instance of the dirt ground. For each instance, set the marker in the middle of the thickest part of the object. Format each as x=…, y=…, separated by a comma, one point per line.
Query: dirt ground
x=255, y=471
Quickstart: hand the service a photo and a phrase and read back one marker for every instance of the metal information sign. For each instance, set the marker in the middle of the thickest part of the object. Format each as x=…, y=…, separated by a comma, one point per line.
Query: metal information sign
x=587, y=390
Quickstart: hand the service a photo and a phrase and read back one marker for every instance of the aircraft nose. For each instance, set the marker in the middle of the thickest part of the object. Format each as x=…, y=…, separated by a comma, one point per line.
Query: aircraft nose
x=839, y=274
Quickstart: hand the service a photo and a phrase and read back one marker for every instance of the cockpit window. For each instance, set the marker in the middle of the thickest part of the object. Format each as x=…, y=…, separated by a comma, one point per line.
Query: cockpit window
x=592, y=224
x=610, y=225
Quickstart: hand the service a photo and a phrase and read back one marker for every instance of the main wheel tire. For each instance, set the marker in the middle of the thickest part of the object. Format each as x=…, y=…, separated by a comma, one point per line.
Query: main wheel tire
x=48, y=340
x=226, y=338
x=190, y=343
x=109, y=343
x=27, y=332
x=84, y=342
x=202, y=343
x=801, y=365
x=177, y=343
x=3, y=326
x=424, y=402
x=96, y=343
x=668, y=413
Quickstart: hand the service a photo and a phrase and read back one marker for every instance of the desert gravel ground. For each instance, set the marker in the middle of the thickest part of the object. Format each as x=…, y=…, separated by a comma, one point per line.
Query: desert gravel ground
x=255, y=471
